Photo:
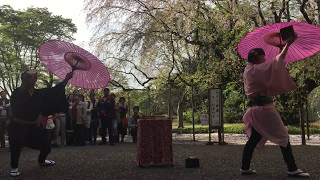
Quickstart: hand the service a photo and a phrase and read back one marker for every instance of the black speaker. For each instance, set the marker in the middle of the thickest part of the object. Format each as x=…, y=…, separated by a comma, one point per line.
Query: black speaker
x=192, y=162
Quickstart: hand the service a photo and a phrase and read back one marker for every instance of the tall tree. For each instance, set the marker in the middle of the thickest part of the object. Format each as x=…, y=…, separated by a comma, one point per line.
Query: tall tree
x=22, y=32
x=165, y=42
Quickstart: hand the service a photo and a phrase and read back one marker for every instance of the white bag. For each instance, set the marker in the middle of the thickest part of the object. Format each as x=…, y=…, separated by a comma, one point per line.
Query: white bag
x=50, y=124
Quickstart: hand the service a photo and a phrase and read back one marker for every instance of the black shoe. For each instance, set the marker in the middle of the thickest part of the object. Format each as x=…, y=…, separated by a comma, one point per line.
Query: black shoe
x=122, y=140
x=112, y=144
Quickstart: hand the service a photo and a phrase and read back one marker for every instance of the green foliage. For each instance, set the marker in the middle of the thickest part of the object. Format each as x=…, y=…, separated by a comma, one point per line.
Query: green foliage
x=314, y=104
x=187, y=116
x=235, y=128
x=21, y=34
x=232, y=107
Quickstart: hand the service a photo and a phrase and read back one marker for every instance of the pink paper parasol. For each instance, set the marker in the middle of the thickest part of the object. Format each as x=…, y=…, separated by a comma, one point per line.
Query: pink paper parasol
x=62, y=57
x=268, y=38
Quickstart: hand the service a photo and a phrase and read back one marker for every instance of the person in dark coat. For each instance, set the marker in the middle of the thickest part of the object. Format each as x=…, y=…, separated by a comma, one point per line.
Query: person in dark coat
x=107, y=114
x=123, y=110
x=4, y=116
x=28, y=104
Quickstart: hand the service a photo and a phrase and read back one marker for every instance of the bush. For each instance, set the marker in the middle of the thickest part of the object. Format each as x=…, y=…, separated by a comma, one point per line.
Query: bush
x=232, y=107
x=187, y=116
x=236, y=128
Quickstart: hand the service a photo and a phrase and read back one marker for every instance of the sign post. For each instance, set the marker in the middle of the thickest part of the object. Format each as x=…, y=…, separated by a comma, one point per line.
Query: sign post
x=216, y=114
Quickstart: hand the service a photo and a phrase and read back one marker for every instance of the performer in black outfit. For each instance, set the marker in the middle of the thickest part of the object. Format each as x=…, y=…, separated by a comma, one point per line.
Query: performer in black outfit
x=27, y=104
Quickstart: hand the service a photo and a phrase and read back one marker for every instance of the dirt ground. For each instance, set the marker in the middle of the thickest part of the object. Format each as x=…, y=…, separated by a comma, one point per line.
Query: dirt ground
x=119, y=162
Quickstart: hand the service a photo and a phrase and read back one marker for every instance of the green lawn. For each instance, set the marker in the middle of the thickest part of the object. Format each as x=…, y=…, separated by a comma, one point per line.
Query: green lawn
x=237, y=128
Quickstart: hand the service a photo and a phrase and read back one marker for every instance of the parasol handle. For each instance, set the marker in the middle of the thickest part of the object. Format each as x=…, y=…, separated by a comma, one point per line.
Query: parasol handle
x=280, y=46
x=75, y=66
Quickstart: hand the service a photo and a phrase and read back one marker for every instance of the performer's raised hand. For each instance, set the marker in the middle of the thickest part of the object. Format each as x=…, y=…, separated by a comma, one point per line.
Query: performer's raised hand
x=290, y=40
x=68, y=77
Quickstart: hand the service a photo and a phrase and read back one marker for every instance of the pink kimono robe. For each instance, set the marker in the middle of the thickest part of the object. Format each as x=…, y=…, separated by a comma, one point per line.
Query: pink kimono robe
x=270, y=78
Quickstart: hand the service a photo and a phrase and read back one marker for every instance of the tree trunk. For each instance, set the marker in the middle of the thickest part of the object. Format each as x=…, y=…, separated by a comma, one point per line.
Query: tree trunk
x=180, y=114
x=129, y=104
x=170, y=102
x=307, y=116
x=192, y=105
x=303, y=134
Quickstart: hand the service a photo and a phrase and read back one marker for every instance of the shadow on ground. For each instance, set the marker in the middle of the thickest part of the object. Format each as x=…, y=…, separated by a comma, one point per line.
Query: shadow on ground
x=118, y=162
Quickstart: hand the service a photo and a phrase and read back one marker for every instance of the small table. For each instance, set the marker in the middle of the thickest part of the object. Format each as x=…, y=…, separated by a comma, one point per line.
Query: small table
x=154, y=145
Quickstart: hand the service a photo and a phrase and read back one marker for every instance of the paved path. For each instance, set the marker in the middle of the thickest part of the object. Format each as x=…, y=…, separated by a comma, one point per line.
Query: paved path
x=118, y=162
x=237, y=139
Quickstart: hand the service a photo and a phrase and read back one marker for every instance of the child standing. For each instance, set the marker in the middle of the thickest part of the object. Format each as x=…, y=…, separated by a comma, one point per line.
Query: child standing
x=133, y=124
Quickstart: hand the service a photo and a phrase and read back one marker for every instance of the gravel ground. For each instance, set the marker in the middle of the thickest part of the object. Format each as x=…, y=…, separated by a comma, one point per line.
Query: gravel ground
x=118, y=162
x=238, y=139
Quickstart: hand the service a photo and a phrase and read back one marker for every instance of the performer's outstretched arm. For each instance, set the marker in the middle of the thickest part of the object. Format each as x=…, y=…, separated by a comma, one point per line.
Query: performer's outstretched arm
x=67, y=78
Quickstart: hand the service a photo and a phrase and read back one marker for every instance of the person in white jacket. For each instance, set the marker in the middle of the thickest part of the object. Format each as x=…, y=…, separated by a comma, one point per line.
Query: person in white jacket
x=79, y=115
x=92, y=118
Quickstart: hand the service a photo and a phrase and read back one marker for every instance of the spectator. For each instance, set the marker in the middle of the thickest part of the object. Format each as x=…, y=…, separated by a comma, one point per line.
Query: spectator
x=93, y=118
x=79, y=118
x=107, y=114
x=60, y=128
x=4, y=117
x=123, y=110
x=48, y=125
x=82, y=97
x=133, y=124
x=115, y=120
x=70, y=99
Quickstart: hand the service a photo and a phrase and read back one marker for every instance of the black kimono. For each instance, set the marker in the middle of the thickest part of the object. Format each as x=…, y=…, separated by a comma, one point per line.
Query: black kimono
x=24, y=130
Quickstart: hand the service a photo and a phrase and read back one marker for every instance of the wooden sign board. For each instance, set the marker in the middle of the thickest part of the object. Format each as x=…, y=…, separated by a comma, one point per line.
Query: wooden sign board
x=215, y=108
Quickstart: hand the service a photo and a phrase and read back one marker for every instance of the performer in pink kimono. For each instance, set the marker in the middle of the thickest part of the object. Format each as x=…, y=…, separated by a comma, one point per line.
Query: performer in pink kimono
x=263, y=79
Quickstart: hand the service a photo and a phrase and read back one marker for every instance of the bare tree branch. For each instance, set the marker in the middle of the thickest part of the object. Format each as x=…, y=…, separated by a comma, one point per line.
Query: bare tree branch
x=277, y=17
x=117, y=84
x=288, y=11
x=260, y=14
x=172, y=56
x=136, y=68
x=318, y=8
x=303, y=11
